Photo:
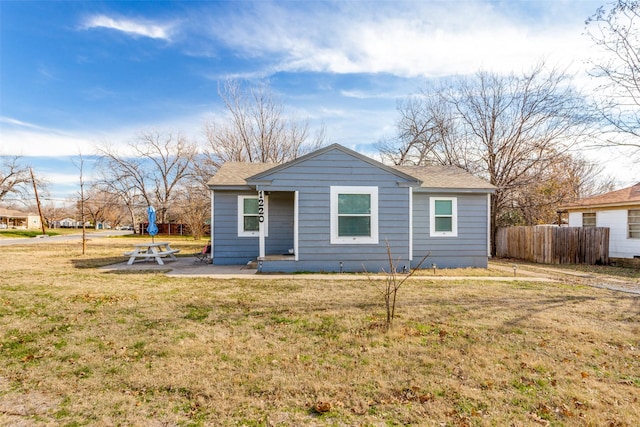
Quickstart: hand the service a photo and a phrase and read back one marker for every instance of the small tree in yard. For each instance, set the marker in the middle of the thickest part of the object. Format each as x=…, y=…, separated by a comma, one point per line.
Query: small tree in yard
x=392, y=283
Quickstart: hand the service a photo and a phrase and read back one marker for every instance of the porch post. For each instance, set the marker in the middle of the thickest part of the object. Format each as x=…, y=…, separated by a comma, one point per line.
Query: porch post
x=261, y=215
x=410, y=223
x=295, y=225
x=211, y=235
x=489, y=225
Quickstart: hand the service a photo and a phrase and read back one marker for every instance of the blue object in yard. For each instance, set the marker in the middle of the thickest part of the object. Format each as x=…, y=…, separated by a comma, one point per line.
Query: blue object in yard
x=152, y=228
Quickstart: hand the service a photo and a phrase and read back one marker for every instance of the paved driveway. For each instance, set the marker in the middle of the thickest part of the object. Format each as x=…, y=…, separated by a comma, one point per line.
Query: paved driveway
x=62, y=238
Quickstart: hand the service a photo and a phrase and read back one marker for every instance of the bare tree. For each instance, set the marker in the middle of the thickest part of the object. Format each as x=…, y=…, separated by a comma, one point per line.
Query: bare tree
x=82, y=201
x=569, y=177
x=391, y=285
x=616, y=32
x=103, y=206
x=426, y=133
x=256, y=129
x=123, y=188
x=14, y=177
x=152, y=171
x=195, y=208
x=501, y=128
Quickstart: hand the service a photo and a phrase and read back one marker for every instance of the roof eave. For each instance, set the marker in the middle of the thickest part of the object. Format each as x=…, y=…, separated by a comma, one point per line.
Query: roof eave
x=455, y=190
x=629, y=204
x=231, y=187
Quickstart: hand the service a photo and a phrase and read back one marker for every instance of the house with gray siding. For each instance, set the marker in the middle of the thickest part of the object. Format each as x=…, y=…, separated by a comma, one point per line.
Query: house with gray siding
x=337, y=210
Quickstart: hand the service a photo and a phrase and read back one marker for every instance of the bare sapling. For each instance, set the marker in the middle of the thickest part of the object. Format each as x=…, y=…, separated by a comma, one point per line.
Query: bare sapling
x=392, y=283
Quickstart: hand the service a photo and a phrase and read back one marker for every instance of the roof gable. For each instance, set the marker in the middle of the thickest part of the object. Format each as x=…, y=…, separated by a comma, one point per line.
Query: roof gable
x=361, y=157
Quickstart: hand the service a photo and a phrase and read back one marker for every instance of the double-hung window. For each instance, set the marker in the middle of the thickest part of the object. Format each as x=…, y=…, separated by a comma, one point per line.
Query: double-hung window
x=444, y=216
x=354, y=215
x=634, y=223
x=249, y=218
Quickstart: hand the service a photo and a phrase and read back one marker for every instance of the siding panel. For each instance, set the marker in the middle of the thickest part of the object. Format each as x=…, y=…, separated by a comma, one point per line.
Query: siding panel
x=468, y=249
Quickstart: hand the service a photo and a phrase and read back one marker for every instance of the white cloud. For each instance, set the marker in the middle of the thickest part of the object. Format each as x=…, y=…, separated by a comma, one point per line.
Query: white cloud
x=130, y=26
x=19, y=138
x=31, y=142
x=427, y=39
x=15, y=122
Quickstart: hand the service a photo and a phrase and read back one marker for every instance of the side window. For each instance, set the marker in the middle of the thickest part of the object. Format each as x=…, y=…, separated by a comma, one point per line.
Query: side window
x=634, y=223
x=589, y=219
x=248, y=218
x=443, y=217
x=354, y=215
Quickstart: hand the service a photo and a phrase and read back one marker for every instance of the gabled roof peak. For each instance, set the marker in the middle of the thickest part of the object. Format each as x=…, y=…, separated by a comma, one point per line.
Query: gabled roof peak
x=327, y=149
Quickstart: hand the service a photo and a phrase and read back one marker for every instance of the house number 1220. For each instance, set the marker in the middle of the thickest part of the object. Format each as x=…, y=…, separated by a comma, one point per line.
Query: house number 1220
x=261, y=206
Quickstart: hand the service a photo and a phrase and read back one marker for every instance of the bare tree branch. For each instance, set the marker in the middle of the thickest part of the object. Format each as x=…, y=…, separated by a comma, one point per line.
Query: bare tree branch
x=157, y=165
x=256, y=129
x=505, y=129
x=615, y=31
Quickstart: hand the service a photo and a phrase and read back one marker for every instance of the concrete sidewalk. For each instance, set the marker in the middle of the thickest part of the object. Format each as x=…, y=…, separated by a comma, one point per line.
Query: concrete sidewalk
x=189, y=267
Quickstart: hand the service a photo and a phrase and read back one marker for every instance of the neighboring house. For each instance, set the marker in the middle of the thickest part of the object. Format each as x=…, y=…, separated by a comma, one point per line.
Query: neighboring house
x=67, y=223
x=10, y=218
x=620, y=211
x=335, y=210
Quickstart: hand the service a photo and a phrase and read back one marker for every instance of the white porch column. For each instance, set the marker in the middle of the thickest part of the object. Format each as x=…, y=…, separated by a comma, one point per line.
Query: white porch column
x=295, y=225
x=211, y=235
x=410, y=224
x=262, y=206
x=489, y=225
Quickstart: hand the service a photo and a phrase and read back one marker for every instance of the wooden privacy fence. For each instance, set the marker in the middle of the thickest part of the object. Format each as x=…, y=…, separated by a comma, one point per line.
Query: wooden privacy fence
x=554, y=245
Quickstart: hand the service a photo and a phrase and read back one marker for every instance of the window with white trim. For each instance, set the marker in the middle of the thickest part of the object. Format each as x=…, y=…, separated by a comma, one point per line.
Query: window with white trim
x=634, y=223
x=354, y=215
x=588, y=219
x=249, y=218
x=443, y=217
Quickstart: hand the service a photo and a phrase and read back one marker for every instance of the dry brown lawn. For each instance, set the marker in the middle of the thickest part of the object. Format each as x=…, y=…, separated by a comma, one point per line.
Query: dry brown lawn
x=81, y=346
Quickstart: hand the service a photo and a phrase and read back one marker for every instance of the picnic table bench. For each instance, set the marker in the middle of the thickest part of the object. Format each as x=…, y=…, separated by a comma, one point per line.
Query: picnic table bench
x=146, y=251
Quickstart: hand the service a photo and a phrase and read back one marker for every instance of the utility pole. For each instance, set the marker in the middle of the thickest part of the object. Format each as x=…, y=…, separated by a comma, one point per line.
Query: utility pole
x=35, y=190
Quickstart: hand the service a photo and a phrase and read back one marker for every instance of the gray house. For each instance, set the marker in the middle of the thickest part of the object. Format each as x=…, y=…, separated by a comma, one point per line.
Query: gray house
x=336, y=210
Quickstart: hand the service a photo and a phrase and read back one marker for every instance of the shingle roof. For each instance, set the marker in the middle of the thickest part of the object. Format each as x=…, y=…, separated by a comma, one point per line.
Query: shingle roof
x=445, y=177
x=236, y=173
x=625, y=196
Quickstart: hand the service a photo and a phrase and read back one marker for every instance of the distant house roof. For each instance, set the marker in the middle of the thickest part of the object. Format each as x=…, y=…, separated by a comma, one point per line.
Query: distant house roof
x=629, y=196
x=12, y=213
x=236, y=174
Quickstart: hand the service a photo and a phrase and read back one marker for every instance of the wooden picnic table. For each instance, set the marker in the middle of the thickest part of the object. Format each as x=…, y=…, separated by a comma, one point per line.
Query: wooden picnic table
x=146, y=251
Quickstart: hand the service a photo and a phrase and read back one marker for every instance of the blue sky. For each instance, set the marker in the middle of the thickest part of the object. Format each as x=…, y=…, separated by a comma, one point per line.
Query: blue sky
x=79, y=73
